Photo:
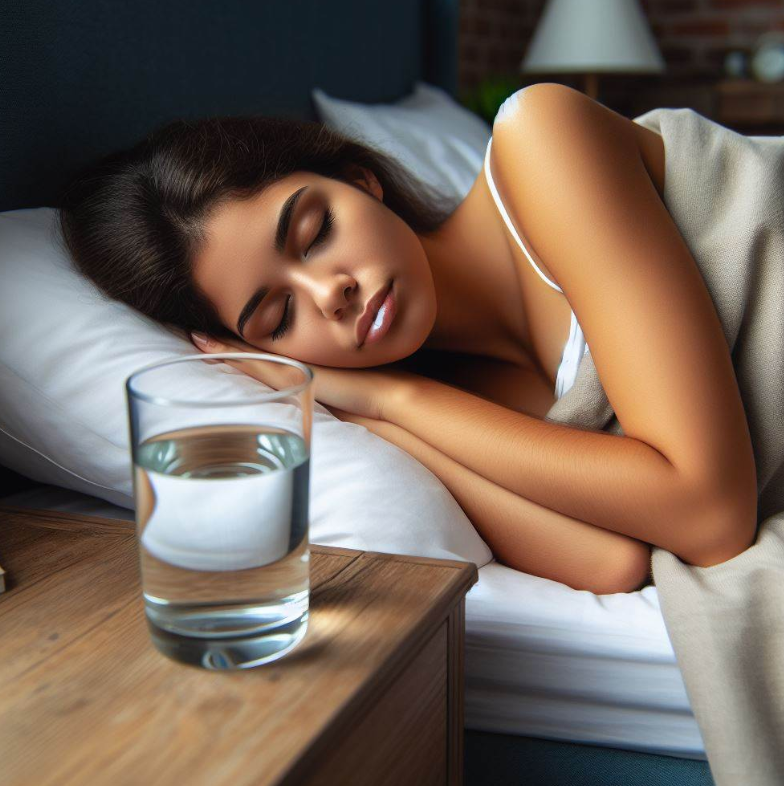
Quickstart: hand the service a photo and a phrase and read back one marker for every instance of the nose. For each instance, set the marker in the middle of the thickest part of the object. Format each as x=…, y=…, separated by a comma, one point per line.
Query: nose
x=333, y=294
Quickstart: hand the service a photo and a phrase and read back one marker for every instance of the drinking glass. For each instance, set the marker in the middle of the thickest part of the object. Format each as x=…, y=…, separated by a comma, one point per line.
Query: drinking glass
x=221, y=471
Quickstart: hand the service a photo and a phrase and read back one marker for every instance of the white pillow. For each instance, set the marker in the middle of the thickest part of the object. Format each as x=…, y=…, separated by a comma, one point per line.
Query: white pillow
x=65, y=353
x=434, y=137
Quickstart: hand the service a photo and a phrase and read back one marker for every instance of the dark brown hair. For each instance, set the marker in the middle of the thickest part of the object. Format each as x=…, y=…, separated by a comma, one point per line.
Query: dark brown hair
x=133, y=221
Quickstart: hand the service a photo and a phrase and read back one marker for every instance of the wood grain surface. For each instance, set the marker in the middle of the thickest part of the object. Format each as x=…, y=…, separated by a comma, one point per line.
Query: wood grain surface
x=86, y=698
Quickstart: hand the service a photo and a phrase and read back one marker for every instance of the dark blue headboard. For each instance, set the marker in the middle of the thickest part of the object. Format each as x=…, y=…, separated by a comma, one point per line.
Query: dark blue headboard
x=81, y=78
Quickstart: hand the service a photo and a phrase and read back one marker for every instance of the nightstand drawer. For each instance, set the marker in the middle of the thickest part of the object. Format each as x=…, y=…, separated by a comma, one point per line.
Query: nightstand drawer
x=403, y=738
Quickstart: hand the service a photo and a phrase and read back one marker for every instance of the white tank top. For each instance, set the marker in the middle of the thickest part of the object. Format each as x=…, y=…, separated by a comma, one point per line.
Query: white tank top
x=576, y=345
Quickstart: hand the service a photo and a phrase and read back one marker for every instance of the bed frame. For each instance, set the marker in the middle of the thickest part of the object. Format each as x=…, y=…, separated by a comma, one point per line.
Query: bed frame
x=81, y=79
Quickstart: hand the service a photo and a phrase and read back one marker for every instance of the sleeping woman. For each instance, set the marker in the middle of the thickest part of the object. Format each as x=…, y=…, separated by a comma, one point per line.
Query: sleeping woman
x=451, y=331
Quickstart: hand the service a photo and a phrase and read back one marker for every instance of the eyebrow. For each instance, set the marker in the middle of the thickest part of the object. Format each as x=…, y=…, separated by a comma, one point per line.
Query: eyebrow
x=281, y=235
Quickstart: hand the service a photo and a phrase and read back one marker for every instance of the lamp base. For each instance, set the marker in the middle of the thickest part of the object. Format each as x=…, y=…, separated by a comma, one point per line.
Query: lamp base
x=591, y=86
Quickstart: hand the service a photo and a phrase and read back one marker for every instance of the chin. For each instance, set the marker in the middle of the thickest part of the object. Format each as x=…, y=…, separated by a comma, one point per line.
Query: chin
x=364, y=361
x=361, y=359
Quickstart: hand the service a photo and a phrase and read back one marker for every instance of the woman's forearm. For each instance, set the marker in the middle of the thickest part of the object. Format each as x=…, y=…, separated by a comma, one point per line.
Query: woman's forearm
x=615, y=482
x=524, y=535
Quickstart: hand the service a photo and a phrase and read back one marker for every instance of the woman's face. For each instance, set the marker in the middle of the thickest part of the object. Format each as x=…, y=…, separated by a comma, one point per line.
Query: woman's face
x=323, y=274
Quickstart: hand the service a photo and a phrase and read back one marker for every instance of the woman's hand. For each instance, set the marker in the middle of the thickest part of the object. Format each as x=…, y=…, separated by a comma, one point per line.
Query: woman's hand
x=361, y=391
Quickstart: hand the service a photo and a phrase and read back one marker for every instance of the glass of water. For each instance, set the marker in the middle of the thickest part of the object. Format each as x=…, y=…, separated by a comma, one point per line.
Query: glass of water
x=221, y=469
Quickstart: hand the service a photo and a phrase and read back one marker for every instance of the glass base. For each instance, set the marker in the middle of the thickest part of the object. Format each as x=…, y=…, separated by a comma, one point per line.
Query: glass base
x=231, y=652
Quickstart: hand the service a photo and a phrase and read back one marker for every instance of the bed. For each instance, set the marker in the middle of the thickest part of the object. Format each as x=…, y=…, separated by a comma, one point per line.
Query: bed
x=561, y=686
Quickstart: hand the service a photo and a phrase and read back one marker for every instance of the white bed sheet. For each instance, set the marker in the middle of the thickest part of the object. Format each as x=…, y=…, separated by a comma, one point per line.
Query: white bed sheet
x=543, y=660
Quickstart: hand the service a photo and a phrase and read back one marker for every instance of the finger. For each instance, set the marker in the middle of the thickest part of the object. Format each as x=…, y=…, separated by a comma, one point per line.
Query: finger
x=276, y=375
x=209, y=344
x=205, y=343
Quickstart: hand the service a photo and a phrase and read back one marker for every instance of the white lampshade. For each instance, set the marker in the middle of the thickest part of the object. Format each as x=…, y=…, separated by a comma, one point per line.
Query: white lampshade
x=592, y=36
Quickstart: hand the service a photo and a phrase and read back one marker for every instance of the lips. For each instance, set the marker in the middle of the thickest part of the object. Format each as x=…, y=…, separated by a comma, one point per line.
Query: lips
x=369, y=314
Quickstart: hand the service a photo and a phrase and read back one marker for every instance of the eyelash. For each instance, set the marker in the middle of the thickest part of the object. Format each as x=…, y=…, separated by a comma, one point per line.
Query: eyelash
x=323, y=233
x=326, y=226
x=284, y=323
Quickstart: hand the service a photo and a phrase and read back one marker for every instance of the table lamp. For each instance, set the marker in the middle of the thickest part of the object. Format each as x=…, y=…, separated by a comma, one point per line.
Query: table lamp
x=590, y=37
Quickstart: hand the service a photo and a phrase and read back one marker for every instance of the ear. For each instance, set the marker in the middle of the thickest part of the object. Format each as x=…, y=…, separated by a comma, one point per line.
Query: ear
x=366, y=179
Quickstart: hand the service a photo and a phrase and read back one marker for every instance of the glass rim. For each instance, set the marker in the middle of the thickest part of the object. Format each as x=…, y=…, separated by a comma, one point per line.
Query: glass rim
x=267, y=396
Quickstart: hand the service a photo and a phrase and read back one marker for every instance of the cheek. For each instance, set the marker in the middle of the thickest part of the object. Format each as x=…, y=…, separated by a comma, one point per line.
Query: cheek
x=419, y=291
x=415, y=289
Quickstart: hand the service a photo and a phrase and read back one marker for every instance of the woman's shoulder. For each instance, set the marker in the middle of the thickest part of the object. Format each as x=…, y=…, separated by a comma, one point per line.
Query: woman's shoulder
x=531, y=100
x=566, y=116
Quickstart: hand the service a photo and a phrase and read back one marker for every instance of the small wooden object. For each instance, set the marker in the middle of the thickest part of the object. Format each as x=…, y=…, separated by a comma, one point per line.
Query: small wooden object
x=746, y=102
x=373, y=693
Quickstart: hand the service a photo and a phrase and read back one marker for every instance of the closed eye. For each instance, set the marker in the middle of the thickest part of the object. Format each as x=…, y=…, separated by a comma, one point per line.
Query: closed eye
x=284, y=322
x=323, y=234
x=326, y=227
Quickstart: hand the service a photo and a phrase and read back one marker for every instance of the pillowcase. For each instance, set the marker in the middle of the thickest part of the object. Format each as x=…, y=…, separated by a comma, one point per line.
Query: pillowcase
x=65, y=353
x=436, y=139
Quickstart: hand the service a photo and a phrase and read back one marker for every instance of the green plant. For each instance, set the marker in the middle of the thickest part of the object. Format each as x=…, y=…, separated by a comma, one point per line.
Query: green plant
x=486, y=98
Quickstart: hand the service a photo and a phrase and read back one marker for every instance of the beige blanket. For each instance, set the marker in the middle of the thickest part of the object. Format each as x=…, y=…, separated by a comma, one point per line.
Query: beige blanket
x=725, y=192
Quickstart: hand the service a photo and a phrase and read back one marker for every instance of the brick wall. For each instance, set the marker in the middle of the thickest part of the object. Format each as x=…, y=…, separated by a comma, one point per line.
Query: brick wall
x=693, y=36
x=493, y=37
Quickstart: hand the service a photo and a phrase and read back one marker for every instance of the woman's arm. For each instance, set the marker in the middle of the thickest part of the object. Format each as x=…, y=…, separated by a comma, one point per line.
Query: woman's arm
x=683, y=476
x=616, y=483
x=523, y=535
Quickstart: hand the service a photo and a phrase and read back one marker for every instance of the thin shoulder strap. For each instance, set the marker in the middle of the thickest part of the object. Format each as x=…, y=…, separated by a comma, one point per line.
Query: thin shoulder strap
x=507, y=220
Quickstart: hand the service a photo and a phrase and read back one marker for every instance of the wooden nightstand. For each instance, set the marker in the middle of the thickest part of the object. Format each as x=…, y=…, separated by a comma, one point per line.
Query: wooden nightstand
x=750, y=107
x=372, y=695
